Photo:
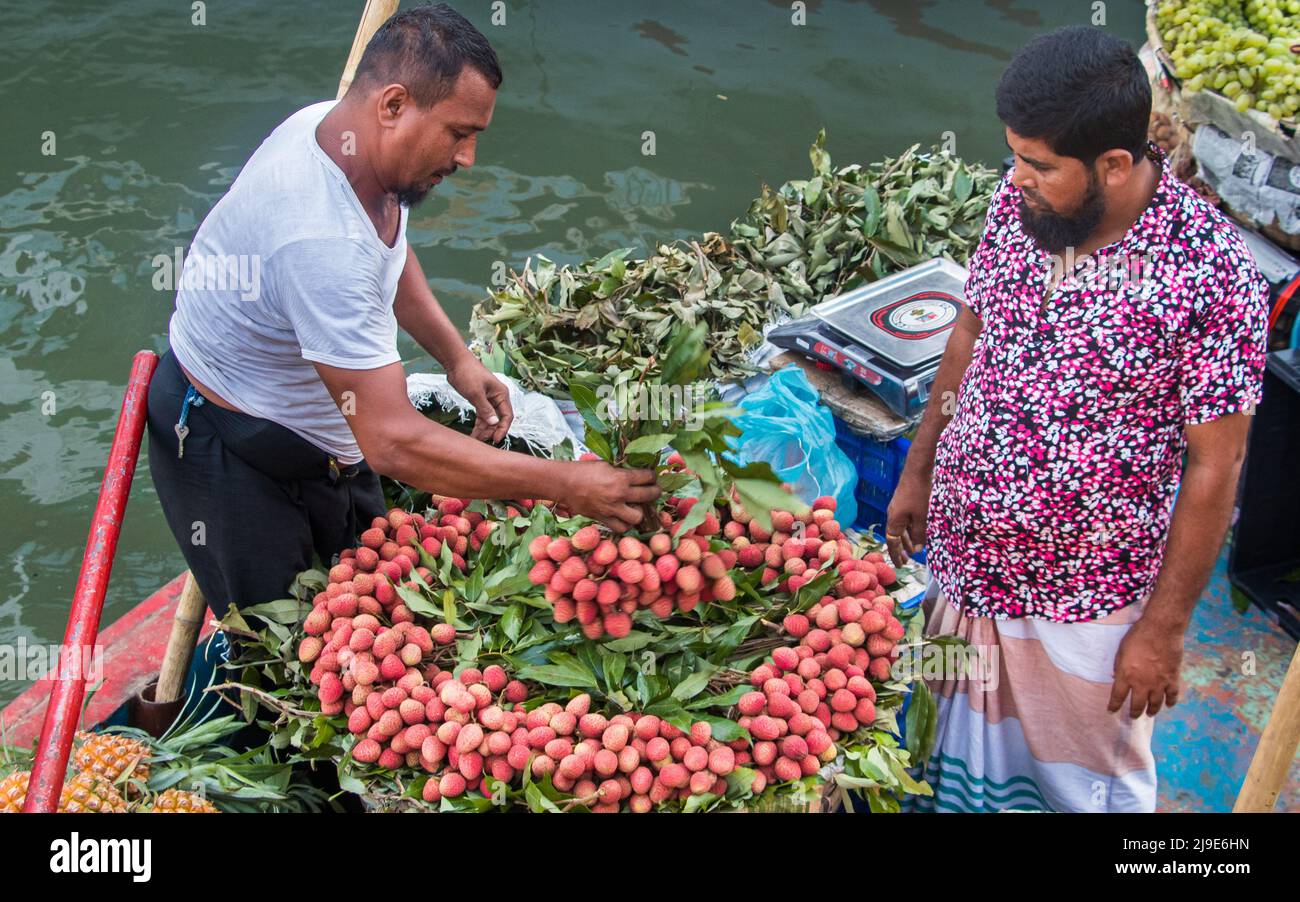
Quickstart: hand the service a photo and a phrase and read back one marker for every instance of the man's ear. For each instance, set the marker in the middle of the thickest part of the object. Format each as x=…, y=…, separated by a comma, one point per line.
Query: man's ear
x=1115, y=167
x=390, y=103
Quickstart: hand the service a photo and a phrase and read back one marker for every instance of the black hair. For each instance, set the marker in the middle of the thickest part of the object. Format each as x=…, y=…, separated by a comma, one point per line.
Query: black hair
x=1079, y=89
x=425, y=49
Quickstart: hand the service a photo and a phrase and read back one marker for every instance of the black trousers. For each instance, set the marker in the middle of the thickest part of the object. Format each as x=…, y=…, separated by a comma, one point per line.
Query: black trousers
x=250, y=501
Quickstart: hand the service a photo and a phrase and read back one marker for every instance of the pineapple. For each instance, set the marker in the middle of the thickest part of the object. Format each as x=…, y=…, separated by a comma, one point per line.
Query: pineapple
x=179, y=801
x=13, y=791
x=90, y=793
x=110, y=756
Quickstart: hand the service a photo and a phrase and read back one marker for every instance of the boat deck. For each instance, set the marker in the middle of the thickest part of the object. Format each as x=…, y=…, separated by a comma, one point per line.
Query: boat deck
x=1232, y=670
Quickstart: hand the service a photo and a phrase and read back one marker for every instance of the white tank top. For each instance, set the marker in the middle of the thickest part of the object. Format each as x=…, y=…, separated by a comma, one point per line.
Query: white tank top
x=287, y=270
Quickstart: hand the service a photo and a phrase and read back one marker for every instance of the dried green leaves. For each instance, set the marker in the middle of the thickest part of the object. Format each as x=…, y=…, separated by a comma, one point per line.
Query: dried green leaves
x=597, y=322
x=823, y=235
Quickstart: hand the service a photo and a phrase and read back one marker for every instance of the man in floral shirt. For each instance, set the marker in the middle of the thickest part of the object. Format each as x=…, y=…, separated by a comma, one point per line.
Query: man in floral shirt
x=1116, y=321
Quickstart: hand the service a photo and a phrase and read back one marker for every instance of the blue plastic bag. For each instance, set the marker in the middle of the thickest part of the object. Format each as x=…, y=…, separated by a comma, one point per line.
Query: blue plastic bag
x=785, y=425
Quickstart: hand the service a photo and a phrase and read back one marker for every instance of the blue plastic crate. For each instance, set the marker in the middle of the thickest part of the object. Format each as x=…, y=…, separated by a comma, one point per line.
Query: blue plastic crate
x=879, y=466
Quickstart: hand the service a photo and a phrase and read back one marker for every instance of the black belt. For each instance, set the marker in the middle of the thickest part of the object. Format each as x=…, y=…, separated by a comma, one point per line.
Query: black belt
x=265, y=445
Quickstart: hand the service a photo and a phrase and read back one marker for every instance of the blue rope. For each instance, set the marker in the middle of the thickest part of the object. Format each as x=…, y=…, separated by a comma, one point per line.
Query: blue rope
x=192, y=399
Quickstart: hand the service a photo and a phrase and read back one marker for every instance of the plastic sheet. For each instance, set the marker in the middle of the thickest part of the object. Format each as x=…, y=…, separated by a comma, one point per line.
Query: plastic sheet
x=786, y=425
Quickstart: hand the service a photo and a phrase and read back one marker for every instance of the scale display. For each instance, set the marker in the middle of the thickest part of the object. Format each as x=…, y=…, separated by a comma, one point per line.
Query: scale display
x=919, y=316
x=889, y=335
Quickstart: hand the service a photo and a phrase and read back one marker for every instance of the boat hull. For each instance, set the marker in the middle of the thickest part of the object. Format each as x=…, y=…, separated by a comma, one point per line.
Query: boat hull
x=131, y=651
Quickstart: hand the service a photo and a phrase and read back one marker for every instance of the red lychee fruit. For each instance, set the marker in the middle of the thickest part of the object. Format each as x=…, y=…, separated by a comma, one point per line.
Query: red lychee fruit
x=794, y=747
x=587, y=538
x=785, y=658
x=785, y=769
x=542, y=573
x=674, y=776
x=689, y=579
x=618, y=625
x=559, y=549
x=765, y=727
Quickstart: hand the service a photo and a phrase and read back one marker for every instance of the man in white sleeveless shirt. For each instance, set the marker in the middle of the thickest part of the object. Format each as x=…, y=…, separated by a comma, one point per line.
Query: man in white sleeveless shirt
x=283, y=393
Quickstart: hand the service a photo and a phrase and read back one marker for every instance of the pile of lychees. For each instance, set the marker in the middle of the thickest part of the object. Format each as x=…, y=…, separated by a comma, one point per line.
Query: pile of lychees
x=632, y=760
x=858, y=613
x=373, y=663
x=601, y=582
x=808, y=696
x=365, y=578
x=357, y=659
x=361, y=639
x=418, y=724
x=396, y=535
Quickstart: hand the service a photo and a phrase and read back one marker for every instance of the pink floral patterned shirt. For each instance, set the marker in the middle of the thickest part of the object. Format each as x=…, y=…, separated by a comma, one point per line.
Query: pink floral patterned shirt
x=1054, y=482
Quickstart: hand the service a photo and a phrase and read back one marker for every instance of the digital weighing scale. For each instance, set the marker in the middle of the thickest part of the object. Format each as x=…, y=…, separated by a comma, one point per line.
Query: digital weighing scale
x=889, y=335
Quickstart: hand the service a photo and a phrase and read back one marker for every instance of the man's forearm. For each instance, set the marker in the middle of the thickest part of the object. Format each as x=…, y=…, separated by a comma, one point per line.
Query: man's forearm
x=942, y=403
x=438, y=459
x=1200, y=520
x=422, y=317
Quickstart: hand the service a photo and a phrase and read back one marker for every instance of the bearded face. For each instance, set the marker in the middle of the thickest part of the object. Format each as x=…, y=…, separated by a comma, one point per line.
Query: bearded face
x=1055, y=230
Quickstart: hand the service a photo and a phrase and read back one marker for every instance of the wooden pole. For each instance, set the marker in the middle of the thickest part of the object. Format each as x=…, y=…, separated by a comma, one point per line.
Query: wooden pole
x=186, y=625
x=376, y=13
x=1276, y=751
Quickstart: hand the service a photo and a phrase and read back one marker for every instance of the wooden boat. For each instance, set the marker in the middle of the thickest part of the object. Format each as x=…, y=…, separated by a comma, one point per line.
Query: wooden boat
x=131, y=649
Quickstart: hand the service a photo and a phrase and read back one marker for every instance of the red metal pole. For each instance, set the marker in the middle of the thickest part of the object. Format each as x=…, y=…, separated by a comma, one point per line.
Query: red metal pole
x=68, y=684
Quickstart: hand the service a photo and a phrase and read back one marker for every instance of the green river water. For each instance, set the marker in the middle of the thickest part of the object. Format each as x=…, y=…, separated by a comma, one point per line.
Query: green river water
x=152, y=117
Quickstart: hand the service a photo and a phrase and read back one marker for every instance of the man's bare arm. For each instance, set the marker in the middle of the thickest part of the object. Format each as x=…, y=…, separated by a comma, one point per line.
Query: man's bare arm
x=1215, y=452
x=906, y=520
x=422, y=317
x=1147, y=663
x=398, y=441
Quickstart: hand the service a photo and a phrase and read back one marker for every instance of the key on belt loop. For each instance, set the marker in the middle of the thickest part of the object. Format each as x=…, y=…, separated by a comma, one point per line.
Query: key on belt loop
x=192, y=399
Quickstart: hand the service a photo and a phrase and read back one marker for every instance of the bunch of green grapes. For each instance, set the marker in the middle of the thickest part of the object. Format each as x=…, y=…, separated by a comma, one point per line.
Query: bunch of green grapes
x=1246, y=50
